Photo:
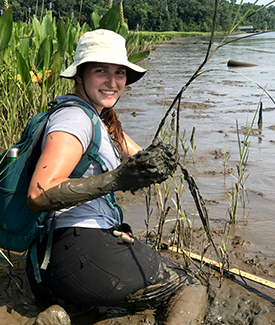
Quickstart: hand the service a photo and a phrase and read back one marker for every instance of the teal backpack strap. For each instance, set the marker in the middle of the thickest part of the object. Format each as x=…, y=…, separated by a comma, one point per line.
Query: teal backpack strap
x=112, y=203
x=91, y=152
x=35, y=265
x=49, y=246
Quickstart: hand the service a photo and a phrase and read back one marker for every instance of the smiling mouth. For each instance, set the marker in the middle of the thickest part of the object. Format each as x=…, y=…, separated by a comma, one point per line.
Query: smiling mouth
x=106, y=92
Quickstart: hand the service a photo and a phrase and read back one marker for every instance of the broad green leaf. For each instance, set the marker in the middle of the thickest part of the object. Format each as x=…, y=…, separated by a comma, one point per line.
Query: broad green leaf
x=68, y=23
x=62, y=38
x=124, y=31
x=74, y=34
x=138, y=56
x=44, y=54
x=85, y=28
x=47, y=26
x=54, y=23
x=71, y=43
x=55, y=45
x=24, y=46
x=95, y=18
x=49, y=13
x=23, y=68
x=70, y=40
x=13, y=43
x=132, y=40
x=37, y=31
x=7, y=56
x=111, y=19
x=5, y=28
x=55, y=69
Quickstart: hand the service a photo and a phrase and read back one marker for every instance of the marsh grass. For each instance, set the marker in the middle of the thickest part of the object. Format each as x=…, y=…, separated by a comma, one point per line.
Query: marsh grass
x=238, y=192
x=20, y=101
x=143, y=41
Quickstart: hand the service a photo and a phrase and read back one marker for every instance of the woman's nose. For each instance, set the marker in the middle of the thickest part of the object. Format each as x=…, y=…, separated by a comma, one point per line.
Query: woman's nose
x=111, y=80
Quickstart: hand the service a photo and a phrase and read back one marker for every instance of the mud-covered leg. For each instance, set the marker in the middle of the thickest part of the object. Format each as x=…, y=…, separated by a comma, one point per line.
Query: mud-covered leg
x=188, y=306
x=54, y=315
x=170, y=279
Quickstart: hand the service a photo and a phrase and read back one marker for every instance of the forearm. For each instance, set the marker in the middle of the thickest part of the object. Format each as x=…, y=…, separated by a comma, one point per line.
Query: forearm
x=74, y=192
x=130, y=147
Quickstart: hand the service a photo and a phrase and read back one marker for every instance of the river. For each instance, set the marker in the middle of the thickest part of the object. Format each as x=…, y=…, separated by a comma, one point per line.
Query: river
x=226, y=95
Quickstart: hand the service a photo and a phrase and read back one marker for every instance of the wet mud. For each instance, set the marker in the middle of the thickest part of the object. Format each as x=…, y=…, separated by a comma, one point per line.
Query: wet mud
x=227, y=299
x=222, y=300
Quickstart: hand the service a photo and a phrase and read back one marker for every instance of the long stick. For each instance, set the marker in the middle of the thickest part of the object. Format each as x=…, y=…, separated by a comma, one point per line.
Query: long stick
x=233, y=270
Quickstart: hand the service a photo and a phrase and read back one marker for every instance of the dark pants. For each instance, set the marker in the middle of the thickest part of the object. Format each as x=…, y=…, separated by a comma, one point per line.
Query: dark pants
x=93, y=267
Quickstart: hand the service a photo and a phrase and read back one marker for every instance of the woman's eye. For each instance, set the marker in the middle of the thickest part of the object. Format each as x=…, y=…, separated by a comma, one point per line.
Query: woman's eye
x=100, y=70
x=121, y=72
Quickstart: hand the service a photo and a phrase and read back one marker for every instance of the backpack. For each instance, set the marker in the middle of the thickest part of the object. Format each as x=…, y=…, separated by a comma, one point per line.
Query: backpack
x=18, y=225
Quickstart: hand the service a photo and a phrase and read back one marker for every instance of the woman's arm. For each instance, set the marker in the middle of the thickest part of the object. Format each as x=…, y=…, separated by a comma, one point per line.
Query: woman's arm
x=51, y=189
x=61, y=153
x=129, y=146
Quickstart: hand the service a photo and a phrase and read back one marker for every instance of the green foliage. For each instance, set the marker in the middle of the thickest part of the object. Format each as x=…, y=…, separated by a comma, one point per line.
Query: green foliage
x=138, y=56
x=151, y=15
x=33, y=54
x=111, y=19
x=5, y=29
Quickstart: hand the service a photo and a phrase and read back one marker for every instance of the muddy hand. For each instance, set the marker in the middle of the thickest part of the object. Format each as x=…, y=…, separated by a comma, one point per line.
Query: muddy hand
x=152, y=165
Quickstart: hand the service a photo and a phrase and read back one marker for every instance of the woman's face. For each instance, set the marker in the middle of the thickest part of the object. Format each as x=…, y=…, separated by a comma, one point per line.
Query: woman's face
x=104, y=83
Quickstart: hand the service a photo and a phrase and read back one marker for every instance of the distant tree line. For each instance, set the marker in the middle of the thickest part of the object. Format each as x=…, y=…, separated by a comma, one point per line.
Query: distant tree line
x=151, y=15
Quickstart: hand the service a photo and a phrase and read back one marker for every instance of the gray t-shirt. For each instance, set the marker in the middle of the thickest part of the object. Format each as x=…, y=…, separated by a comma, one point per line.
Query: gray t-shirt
x=96, y=213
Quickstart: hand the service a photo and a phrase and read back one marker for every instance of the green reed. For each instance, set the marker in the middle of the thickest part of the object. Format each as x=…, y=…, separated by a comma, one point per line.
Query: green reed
x=238, y=189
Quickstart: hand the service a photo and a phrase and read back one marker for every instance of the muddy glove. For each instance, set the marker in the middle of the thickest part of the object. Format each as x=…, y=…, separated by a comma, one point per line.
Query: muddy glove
x=149, y=166
x=152, y=165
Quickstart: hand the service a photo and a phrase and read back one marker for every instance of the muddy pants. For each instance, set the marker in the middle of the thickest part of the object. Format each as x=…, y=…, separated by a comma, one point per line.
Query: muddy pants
x=93, y=267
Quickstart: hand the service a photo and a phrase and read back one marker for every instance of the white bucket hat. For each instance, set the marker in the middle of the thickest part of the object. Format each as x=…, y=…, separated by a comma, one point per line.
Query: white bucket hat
x=104, y=46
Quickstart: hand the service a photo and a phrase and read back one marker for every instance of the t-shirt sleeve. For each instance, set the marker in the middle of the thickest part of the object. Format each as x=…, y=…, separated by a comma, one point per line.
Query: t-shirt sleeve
x=71, y=120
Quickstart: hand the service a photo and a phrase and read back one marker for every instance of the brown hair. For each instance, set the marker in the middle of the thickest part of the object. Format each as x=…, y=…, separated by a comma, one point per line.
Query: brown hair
x=113, y=125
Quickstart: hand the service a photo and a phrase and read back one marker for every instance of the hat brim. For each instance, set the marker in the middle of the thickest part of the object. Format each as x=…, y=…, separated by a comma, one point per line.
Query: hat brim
x=134, y=72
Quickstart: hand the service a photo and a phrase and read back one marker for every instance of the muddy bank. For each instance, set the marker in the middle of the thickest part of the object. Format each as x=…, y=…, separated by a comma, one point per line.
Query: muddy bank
x=228, y=300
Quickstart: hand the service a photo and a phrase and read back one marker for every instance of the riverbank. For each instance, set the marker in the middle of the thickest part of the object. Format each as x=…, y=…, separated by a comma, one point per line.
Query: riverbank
x=233, y=300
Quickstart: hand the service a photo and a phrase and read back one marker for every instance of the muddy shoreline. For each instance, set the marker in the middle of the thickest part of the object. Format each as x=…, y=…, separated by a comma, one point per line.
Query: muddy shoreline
x=230, y=300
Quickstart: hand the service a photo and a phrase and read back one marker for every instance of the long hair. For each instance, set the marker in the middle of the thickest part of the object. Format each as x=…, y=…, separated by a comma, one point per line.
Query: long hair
x=114, y=128
x=109, y=118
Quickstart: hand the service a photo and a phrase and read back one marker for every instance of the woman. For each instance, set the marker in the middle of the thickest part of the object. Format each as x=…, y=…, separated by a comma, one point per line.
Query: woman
x=94, y=259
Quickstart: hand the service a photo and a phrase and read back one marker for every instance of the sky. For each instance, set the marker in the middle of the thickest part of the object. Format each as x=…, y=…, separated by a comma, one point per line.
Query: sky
x=260, y=2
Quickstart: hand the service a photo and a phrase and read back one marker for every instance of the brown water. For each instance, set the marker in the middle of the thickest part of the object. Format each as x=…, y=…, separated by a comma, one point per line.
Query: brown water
x=229, y=96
